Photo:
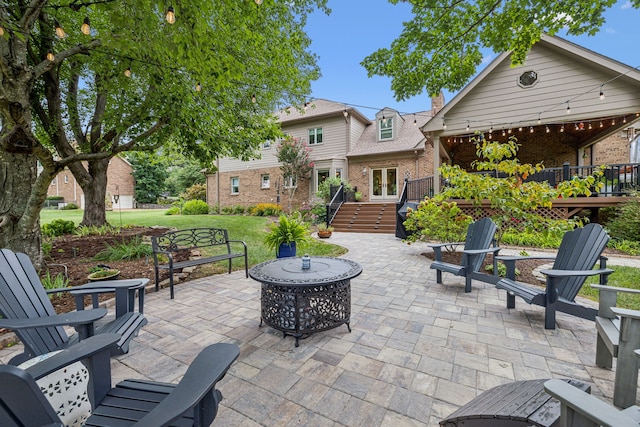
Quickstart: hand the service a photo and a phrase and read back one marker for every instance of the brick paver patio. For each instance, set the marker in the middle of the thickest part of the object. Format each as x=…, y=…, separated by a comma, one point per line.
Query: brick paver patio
x=418, y=350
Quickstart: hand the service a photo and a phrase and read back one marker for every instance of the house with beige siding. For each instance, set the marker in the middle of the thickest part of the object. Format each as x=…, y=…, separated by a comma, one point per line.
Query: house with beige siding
x=565, y=104
x=120, y=186
x=374, y=156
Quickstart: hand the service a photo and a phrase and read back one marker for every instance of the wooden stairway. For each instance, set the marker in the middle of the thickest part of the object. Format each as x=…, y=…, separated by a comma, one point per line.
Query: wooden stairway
x=361, y=217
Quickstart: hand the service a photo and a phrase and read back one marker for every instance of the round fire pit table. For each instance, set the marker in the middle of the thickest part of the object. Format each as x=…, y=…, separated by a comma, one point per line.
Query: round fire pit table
x=300, y=301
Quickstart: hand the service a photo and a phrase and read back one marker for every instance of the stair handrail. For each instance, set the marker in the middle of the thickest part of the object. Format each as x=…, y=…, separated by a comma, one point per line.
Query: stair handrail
x=334, y=205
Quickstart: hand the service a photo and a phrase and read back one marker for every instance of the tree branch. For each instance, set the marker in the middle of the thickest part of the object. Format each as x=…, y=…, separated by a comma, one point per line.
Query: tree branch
x=47, y=65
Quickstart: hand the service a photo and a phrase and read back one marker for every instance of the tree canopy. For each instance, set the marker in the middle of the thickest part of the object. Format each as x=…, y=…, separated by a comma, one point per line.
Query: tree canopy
x=440, y=48
x=129, y=80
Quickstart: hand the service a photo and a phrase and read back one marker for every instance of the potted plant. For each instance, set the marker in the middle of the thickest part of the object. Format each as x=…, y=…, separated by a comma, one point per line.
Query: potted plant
x=102, y=272
x=324, y=231
x=286, y=234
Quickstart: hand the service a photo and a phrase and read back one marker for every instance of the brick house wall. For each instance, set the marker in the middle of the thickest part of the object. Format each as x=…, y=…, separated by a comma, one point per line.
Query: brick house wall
x=119, y=182
x=251, y=191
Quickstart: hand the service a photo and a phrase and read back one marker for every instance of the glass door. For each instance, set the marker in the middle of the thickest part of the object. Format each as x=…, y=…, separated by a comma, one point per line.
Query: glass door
x=384, y=183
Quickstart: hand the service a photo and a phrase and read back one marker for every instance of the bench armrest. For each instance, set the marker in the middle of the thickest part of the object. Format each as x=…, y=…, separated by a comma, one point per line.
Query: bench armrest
x=578, y=402
x=513, y=258
x=74, y=318
x=625, y=312
x=238, y=241
x=209, y=367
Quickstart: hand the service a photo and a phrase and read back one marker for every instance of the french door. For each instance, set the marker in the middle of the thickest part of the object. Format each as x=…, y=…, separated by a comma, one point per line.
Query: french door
x=384, y=183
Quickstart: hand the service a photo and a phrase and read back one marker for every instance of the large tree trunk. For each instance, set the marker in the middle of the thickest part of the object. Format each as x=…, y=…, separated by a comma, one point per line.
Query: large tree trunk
x=94, y=187
x=19, y=224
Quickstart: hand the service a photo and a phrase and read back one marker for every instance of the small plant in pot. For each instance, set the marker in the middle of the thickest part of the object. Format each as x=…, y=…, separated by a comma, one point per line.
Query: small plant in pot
x=102, y=272
x=324, y=231
x=285, y=235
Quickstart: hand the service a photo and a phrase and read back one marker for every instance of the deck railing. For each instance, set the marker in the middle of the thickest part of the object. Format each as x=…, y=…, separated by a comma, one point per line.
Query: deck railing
x=617, y=179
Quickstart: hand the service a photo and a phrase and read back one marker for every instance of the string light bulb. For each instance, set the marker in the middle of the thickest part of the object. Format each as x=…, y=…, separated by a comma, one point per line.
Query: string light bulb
x=546, y=129
x=59, y=31
x=127, y=72
x=467, y=126
x=415, y=122
x=601, y=94
x=198, y=87
x=50, y=56
x=531, y=129
x=254, y=100
x=590, y=126
x=1, y=30
x=504, y=132
x=85, y=28
x=171, y=15
x=444, y=124
x=562, y=128
x=258, y=2
x=613, y=122
x=601, y=125
x=568, y=108
x=539, y=119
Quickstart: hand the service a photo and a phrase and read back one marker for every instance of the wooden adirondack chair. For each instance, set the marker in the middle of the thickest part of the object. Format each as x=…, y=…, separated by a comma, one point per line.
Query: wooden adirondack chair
x=192, y=402
x=480, y=236
x=580, y=409
x=577, y=255
x=26, y=309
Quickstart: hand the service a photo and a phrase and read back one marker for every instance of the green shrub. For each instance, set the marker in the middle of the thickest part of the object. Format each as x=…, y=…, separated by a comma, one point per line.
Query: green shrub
x=195, y=207
x=59, y=281
x=444, y=222
x=55, y=198
x=215, y=209
x=226, y=210
x=324, y=190
x=94, y=230
x=69, y=206
x=626, y=224
x=173, y=210
x=58, y=227
x=135, y=249
x=238, y=210
x=195, y=192
x=266, y=209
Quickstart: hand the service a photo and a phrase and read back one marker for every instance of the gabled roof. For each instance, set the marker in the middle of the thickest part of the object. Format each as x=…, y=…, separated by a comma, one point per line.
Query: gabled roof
x=493, y=103
x=408, y=138
x=318, y=108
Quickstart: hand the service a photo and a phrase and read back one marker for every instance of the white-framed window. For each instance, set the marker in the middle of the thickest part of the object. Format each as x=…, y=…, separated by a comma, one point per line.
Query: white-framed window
x=321, y=175
x=265, y=181
x=386, y=128
x=315, y=136
x=66, y=179
x=290, y=182
x=338, y=172
x=235, y=185
x=267, y=144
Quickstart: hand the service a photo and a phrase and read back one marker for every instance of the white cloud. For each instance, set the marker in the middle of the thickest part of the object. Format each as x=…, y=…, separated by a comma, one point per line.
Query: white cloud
x=610, y=30
x=626, y=5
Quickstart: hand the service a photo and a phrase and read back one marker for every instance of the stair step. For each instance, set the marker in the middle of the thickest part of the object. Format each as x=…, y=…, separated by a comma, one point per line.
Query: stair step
x=366, y=218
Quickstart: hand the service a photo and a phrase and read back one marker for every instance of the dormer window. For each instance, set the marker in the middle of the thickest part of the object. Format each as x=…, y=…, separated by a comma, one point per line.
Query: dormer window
x=386, y=128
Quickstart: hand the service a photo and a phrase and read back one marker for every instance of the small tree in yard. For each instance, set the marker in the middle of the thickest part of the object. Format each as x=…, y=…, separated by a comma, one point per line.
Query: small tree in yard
x=295, y=163
x=442, y=221
x=516, y=204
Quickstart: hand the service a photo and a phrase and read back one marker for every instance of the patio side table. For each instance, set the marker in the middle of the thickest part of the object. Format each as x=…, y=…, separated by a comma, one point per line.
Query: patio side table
x=300, y=302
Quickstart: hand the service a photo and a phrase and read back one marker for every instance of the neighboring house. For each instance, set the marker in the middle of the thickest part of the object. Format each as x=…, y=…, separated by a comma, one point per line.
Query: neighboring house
x=120, y=186
x=375, y=156
x=564, y=104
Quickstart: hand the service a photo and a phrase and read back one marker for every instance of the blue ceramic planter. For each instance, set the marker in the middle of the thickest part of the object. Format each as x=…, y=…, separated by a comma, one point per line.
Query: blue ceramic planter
x=286, y=250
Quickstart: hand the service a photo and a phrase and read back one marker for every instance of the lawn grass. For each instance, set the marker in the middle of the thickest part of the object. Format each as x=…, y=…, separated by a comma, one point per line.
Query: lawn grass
x=250, y=229
x=622, y=277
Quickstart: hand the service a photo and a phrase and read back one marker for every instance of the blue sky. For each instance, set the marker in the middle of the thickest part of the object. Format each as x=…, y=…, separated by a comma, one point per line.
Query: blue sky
x=356, y=28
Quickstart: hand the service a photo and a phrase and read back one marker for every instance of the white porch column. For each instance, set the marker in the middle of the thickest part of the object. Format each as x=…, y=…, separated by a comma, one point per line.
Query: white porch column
x=436, y=164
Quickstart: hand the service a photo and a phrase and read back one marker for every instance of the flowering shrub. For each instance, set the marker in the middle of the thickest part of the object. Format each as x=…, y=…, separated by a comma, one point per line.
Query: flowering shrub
x=295, y=163
x=266, y=209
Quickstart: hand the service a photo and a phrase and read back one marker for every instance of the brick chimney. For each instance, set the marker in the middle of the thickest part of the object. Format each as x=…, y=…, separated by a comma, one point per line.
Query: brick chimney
x=437, y=102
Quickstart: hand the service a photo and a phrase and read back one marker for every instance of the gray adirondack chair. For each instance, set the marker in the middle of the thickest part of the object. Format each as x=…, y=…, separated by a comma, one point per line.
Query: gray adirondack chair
x=192, y=402
x=578, y=253
x=580, y=409
x=478, y=243
x=26, y=309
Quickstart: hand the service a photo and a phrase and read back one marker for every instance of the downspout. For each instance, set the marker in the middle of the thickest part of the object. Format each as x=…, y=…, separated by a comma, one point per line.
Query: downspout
x=218, y=182
x=436, y=164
